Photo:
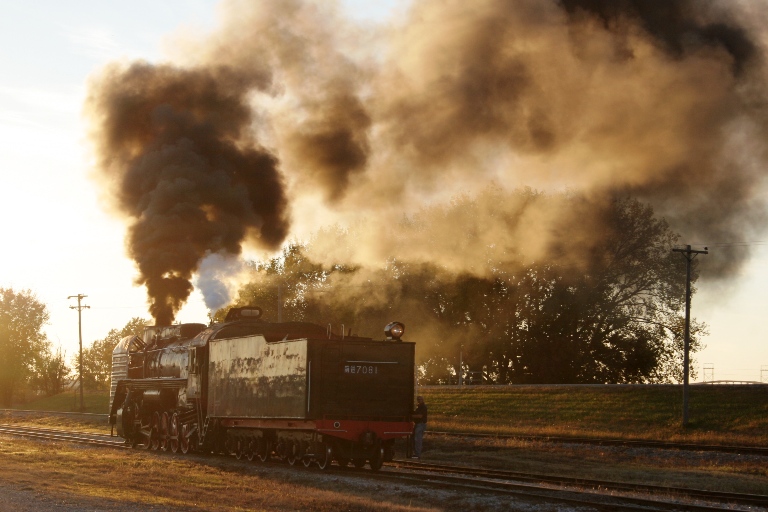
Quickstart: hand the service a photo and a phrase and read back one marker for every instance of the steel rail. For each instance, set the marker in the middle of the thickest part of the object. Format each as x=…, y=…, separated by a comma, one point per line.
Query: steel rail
x=575, y=496
x=700, y=494
x=36, y=429
x=487, y=480
x=52, y=435
x=86, y=415
x=473, y=483
x=639, y=443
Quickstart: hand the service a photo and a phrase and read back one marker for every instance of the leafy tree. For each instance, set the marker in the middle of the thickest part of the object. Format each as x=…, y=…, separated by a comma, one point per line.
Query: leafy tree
x=607, y=308
x=97, y=359
x=22, y=317
x=291, y=278
x=619, y=318
x=51, y=372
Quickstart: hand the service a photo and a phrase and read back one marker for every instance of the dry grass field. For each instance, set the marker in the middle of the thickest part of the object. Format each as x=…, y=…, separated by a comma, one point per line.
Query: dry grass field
x=717, y=414
x=137, y=480
x=108, y=479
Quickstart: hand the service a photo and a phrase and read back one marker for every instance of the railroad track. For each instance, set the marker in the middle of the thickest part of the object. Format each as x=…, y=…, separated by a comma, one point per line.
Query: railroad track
x=743, y=450
x=747, y=500
x=50, y=434
x=541, y=488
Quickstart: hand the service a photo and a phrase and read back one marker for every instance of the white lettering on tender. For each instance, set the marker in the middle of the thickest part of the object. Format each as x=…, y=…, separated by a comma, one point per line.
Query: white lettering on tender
x=366, y=370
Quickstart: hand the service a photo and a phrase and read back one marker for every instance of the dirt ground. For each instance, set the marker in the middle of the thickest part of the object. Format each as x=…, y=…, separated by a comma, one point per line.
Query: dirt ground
x=55, y=476
x=73, y=478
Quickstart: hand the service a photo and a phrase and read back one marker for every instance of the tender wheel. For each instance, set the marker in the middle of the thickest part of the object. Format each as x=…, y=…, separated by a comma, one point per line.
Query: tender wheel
x=165, y=421
x=265, y=450
x=389, y=452
x=184, y=439
x=173, y=433
x=252, y=449
x=293, y=453
x=377, y=460
x=343, y=462
x=358, y=463
x=324, y=459
x=240, y=449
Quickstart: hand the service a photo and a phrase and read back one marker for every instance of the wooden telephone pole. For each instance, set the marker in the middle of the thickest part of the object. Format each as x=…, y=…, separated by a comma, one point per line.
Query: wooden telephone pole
x=689, y=254
x=80, y=309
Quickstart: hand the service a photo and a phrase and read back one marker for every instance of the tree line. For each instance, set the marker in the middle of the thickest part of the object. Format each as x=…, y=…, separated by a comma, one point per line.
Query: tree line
x=32, y=365
x=614, y=314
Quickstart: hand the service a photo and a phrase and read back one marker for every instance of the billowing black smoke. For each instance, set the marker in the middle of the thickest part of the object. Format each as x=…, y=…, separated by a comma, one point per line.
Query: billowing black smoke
x=664, y=101
x=178, y=158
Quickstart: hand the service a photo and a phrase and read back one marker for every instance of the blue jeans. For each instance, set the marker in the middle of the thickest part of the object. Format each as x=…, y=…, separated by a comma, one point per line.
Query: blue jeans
x=418, y=436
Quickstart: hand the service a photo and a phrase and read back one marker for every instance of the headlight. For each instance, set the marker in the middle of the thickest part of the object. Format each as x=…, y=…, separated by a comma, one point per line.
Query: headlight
x=394, y=331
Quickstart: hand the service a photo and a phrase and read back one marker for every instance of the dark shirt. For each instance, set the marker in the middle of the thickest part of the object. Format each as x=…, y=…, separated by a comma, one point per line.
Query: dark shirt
x=421, y=409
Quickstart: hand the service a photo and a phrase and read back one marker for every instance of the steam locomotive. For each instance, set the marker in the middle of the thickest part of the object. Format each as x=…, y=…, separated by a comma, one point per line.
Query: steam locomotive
x=258, y=390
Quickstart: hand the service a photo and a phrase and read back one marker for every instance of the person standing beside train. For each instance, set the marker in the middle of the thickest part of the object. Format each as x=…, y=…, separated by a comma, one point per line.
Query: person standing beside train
x=419, y=417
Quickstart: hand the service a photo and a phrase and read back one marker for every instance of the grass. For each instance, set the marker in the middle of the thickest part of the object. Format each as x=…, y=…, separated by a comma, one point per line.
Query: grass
x=96, y=402
x=697, y=470
x=717, y=414
x=108, y=479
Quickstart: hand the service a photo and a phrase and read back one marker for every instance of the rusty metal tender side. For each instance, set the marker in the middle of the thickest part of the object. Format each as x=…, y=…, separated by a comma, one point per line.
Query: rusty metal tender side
x=256, y=389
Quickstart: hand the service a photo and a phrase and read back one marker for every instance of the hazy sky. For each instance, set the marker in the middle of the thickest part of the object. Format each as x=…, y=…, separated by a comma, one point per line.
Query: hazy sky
x=59, y=241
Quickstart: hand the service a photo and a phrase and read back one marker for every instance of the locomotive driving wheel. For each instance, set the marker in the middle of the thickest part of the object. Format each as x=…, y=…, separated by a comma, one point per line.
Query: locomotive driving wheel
x=164, y=423
x=184, y=438
x=173, y=433
x=154, y=433
x=144, y=435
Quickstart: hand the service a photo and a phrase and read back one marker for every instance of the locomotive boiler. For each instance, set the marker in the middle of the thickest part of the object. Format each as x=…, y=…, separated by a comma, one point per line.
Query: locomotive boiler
x=258, y=389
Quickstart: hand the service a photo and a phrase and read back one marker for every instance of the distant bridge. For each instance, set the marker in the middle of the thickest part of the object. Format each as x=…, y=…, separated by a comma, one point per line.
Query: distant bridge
x=731, y=382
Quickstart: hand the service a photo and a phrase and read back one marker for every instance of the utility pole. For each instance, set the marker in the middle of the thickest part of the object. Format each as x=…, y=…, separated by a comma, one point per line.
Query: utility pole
x=689, y=254
x=80, y=309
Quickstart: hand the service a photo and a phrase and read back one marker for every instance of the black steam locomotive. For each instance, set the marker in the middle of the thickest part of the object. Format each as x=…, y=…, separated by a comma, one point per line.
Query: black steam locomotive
x=256, y=389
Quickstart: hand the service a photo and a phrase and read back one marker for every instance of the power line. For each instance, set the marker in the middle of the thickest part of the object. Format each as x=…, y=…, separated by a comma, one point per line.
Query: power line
x=744, y=243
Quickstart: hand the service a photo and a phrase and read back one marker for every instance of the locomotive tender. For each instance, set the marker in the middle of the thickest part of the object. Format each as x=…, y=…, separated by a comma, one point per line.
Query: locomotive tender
x=293, y=390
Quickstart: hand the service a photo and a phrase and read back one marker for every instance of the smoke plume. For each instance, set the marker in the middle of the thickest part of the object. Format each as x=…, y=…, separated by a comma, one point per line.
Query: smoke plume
x=289, y=110
x=218, y=277
x=179, y=161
